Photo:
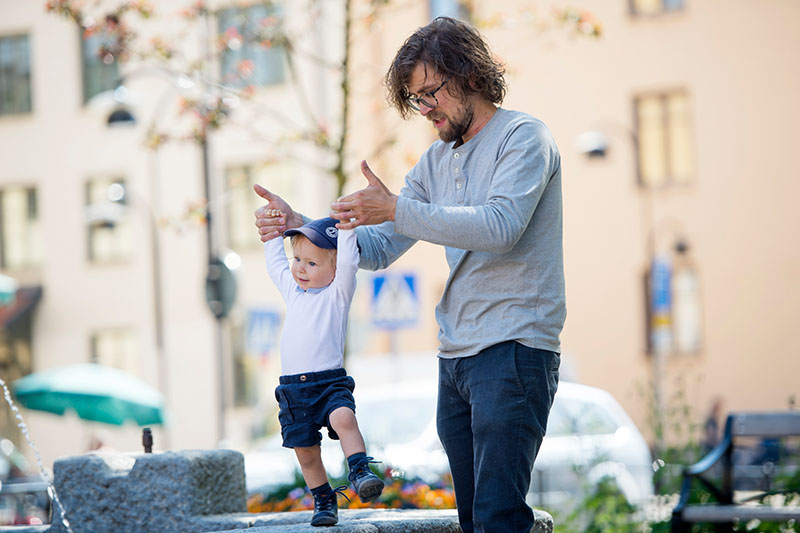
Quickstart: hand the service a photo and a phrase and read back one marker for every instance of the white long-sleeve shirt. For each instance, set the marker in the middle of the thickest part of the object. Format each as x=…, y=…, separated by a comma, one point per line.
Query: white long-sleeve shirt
x=314, y=329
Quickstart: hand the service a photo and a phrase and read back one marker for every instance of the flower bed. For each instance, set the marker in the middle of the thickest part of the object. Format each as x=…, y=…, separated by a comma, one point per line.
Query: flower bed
x=399, y=493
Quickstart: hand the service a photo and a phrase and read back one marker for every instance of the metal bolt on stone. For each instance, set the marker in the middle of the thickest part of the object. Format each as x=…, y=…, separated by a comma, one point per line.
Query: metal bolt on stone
x=147, y=440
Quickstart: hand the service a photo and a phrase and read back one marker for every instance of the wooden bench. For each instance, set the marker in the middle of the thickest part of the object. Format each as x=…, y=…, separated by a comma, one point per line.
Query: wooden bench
x=726, y=511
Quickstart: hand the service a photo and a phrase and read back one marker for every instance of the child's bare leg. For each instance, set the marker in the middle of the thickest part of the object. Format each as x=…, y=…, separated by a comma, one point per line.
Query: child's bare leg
x=366, y=484
x=325, y=507
x=344, y=423
x=310, y=459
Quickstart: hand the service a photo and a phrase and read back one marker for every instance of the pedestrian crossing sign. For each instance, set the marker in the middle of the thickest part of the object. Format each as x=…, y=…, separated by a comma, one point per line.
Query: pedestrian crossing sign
x=395, y=304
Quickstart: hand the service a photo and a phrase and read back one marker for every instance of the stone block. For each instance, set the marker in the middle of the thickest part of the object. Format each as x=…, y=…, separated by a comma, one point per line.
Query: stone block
x=163, y=492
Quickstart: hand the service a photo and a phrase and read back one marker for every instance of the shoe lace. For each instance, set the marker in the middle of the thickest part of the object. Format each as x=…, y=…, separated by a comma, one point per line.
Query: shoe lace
x=362, y=467
x=326, y=502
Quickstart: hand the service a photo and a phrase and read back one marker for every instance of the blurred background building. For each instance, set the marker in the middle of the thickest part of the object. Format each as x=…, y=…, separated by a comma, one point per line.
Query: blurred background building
x=676, y=121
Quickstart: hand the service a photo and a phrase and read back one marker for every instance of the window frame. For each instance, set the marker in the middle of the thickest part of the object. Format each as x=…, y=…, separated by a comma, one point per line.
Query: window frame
x=238, y=219
x=229, y=59
x=668, y=151
x=26, y=106
x=110, y=77
x=126, y=346
x=121, y=255
x=664, y=7
x=458, y=9
x=32, y=258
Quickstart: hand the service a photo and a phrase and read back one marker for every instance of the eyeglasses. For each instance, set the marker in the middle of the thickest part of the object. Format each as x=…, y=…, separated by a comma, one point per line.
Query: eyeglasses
x=426, y=98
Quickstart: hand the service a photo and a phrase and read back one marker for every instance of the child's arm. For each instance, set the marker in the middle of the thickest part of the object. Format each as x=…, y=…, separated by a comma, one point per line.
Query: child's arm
x=346, y=261
x=278, y=266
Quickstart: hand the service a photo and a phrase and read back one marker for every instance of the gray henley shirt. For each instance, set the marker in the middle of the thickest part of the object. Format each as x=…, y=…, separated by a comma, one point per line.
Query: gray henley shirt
x=494, y=203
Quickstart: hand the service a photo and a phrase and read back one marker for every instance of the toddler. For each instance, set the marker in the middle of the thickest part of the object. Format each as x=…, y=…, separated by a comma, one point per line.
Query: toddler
x=315, y=390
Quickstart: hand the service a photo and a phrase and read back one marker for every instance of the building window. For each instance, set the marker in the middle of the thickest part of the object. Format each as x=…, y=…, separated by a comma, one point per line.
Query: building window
x=244, y=201
x=20, y=237
x=457, y=9
x=15, y=75
x=107, y=218
x=100, y=68
x=253, y=53
x=655, y=7
x=663, y=129
x=118, y=348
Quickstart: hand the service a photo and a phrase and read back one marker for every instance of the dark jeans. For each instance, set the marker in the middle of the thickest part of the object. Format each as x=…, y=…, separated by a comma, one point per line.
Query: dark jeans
x=491, y=417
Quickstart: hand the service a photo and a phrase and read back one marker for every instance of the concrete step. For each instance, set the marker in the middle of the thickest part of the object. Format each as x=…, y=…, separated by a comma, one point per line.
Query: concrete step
x=352, y=521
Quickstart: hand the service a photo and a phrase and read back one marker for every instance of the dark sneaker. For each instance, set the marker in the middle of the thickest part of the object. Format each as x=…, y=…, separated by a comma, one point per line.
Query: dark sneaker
x=367, y=485
x=326, y=508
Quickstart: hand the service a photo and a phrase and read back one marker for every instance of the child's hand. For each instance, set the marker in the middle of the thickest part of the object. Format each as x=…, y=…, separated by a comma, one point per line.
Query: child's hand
x=275, y=217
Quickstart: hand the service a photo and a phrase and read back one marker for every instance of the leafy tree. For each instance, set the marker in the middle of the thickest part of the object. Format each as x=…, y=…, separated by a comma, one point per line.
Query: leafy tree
x=124, y=27
x=124, y=24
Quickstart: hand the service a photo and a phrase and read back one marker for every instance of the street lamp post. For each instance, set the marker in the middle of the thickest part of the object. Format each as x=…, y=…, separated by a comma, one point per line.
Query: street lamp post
x=595, y=144
x=661, y=275
x=220, y=282
x=115, y=194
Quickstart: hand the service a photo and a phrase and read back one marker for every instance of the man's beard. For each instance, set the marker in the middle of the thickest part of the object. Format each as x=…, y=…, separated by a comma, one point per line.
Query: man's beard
x=459, y=126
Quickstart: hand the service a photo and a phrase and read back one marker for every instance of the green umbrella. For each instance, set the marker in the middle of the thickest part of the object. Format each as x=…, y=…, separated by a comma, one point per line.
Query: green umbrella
x=94, y=392
x=8, y=289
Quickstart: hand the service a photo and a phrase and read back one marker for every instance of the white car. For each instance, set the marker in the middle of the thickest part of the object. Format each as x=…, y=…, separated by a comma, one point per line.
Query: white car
x=390, y=416
x=589, y=436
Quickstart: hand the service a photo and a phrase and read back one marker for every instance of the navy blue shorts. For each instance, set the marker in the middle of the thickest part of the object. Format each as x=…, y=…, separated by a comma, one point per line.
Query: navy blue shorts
x=307, y=400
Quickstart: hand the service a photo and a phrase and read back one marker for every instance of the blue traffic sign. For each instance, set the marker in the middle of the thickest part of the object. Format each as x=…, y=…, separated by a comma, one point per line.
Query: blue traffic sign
x=395, y=304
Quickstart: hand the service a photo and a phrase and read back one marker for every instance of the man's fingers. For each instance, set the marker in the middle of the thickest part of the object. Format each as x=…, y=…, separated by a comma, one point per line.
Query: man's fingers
x=269, y=236
x=351, y=224
x=341, y=216
x=271, y=232
x=342, y=204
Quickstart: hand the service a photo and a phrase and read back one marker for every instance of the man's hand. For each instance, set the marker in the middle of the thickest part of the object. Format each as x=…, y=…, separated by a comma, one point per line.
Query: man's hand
x=373, y=204
x=275, y=217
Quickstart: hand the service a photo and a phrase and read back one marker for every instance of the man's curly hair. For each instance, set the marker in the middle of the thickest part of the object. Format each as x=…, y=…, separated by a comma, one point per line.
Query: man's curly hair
x=455, y=51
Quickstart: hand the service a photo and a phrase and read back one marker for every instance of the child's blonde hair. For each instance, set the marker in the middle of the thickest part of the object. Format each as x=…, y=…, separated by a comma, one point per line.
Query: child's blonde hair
x=330, y=251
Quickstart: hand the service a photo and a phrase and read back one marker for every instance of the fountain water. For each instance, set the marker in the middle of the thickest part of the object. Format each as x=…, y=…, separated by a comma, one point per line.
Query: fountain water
x=51, y=489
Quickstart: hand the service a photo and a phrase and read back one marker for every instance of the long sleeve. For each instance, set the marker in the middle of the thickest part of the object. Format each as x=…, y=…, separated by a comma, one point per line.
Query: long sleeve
x=346, y=263
x=517, y=178
x=278, y=267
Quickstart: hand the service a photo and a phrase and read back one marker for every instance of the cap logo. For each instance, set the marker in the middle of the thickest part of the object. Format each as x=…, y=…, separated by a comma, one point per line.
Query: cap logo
x=331, y=232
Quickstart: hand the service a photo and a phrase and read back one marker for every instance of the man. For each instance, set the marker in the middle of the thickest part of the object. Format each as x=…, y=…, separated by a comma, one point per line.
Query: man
x=490, y=192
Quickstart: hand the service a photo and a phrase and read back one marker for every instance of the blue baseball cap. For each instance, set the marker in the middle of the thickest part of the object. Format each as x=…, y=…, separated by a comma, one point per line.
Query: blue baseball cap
x=321, y=232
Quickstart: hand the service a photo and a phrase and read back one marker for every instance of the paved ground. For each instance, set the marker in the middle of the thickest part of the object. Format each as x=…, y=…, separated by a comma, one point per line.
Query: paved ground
x=350, y=521
x=360, y=521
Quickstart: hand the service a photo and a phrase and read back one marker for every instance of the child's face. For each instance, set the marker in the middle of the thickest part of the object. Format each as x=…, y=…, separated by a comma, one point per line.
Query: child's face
x=312, y=267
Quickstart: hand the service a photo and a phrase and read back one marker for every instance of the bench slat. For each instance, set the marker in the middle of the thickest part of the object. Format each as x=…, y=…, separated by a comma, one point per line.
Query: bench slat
x=766, y=424
x=728, y=513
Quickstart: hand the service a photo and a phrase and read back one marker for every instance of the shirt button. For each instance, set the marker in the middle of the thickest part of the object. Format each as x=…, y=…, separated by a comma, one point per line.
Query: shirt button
x=458, y=185
x=456, y=155
x=456, y=170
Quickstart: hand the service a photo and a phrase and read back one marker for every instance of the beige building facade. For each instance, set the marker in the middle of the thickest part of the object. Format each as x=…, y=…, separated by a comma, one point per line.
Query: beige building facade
x=688, y=107
x=675, y=130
